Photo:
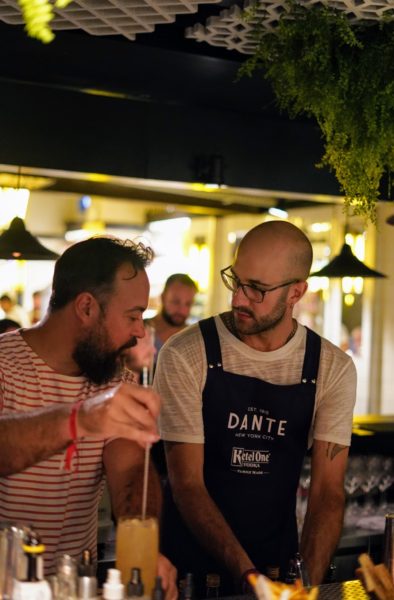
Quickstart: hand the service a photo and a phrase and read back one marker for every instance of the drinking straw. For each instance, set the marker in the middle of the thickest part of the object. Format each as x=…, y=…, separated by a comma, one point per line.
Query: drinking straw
x=145, y=373
x=152, y=333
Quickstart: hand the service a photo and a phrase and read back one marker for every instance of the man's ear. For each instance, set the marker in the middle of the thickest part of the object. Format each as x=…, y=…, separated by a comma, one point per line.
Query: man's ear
x=86, y=307
x=297, y=292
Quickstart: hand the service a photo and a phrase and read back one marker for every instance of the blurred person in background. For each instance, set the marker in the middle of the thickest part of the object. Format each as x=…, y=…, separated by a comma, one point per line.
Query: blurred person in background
x=8, y=325
x=14, y=311
x=141, y=356
x=245, y=394
x=67, y=407
x=36, y=312
x=176, y=303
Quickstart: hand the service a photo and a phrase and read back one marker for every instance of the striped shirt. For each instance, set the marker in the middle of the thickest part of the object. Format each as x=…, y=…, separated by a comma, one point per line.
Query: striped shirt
x=61, y=505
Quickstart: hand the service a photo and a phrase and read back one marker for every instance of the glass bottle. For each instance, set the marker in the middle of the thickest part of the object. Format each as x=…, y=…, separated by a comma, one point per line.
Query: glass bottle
x=212, y=585
x=33, y=586
x=188, y=587
x=135, y=587
x=86, y=567
x=158, y=591
x=66, y=578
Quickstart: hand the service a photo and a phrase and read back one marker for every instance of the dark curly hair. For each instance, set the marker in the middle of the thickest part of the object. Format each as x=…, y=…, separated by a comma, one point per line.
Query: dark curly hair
x=91, y=266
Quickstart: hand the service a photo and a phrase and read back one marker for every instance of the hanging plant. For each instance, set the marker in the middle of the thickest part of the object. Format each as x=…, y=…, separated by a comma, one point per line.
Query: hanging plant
x=38, y=15
x=321, y=65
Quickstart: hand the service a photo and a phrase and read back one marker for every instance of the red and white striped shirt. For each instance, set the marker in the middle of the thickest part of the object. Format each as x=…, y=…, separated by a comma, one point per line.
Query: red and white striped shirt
x=60, y=505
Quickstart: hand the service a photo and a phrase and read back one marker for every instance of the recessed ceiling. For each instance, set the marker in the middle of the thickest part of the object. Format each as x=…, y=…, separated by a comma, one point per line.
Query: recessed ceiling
x=108, y=17
x=193, y=198
x=229, y=29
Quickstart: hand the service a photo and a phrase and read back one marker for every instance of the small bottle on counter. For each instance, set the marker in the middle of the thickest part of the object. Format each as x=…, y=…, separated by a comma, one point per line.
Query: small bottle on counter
x=87, y=582
x=158, y=591
x=212, y=585
x=34, y=587
x=273, y=572
x=291, y=574
x=135, y=587
x=66, y=575
x=86, y=567
x=87, y=588
x=188, y=587
x=301, y=570
x=330, y=576
x=113, y=588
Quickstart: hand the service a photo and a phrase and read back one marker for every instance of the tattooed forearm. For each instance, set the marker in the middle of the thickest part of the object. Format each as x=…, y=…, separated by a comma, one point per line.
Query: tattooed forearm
x=333, y=450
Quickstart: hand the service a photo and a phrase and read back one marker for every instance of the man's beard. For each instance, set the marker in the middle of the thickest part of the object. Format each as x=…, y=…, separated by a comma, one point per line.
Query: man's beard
x=261, y=324
x=95, y=359
x=173, y=320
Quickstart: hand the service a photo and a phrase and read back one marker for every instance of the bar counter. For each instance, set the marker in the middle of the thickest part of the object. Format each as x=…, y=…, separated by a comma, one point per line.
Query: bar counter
x=347, y=590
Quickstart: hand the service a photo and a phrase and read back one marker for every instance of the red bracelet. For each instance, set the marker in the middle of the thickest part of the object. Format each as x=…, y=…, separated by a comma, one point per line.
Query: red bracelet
x=72, y=448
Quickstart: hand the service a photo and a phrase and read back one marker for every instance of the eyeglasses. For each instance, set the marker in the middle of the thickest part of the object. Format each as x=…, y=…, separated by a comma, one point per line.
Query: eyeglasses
x=252, y=292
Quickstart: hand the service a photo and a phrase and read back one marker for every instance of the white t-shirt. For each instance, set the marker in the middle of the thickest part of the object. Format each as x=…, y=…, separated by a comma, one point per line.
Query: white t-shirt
x=181, y=374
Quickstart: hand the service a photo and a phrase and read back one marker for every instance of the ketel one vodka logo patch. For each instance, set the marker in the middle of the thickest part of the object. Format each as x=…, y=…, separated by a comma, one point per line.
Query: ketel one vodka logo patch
x=252, y=459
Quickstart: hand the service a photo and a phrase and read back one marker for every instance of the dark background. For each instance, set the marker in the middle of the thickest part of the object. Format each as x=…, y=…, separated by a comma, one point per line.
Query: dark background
x=176, y=101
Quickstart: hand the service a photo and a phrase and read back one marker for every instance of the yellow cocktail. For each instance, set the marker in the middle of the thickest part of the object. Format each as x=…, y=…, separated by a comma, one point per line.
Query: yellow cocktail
x=137, y=545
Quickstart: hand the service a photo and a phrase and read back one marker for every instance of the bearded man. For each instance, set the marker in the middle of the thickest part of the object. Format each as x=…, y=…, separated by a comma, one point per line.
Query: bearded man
x=68, y=417
x=245, y=394
x=176, y=303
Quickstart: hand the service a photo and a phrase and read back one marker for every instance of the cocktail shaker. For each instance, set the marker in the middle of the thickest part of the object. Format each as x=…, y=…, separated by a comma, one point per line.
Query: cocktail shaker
x=13, y=563
x=388, y=544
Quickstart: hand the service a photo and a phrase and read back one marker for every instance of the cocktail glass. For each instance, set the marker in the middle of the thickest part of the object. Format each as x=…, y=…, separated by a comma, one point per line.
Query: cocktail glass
x=137, y=545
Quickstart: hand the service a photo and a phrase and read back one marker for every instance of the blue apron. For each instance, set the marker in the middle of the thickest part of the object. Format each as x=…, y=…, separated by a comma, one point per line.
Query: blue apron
x=256, y=436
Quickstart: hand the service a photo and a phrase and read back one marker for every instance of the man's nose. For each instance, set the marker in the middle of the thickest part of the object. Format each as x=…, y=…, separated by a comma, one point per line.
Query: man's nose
x=239, y=297
x=140, y=329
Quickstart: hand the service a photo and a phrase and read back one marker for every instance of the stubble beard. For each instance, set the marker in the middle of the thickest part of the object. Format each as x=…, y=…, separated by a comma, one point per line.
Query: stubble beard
x=261, y=324
x=170, y=320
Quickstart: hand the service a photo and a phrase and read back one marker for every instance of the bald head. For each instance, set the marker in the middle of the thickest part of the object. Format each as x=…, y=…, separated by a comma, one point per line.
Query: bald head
x=280, y=247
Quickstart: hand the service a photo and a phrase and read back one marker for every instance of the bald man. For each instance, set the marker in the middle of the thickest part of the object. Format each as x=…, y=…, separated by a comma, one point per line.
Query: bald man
x=246, y=393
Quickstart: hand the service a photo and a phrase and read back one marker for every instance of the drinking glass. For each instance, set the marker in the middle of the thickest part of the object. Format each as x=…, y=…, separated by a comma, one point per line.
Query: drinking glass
x=302, y=492
x=137, y=545
x=372, y=474
x=353, y=480
x=385, y=483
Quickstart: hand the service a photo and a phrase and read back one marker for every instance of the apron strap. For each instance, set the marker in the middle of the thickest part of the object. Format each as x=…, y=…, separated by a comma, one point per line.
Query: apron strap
x=310, y=367
x=213, y=351
x=211, y=341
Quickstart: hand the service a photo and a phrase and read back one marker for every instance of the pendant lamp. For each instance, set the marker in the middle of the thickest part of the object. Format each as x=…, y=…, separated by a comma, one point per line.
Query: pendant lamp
x=346, y=265
x=19, y=244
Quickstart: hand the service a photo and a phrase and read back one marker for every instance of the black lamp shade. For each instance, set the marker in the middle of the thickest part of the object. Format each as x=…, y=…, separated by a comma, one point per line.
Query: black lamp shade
x=19, y=244
x=346, y=265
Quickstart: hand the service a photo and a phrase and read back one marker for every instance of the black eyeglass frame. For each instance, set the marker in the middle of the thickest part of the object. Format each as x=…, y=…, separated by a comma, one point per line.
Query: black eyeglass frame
x=226, y=276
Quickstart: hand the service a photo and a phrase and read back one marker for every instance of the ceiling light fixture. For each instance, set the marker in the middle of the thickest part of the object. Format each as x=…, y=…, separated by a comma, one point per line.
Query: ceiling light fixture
x=347, y=265
x=278, y=210
x=19, y=244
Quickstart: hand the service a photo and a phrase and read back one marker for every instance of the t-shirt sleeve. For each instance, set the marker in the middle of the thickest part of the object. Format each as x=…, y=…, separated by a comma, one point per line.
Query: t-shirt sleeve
x=1, y=390
x=179, y=386
x=337, y=397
